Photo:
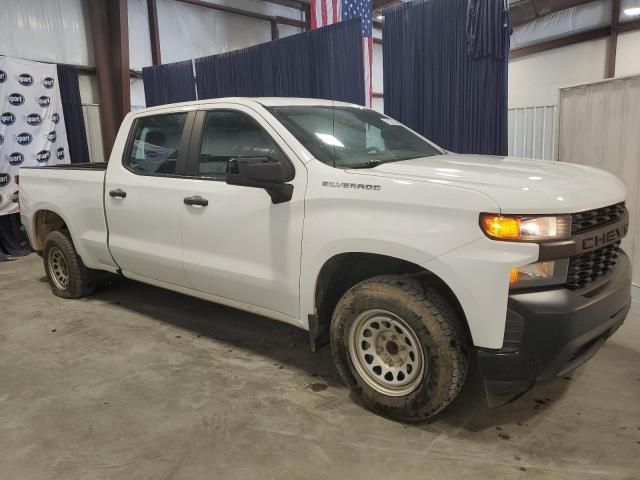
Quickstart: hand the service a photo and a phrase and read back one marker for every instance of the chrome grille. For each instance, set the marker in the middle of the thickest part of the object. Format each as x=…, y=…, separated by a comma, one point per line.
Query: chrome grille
x=589, y=266
x=592, y=219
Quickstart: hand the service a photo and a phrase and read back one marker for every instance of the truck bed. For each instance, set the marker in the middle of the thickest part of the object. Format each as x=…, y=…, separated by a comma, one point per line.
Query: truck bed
x=72, y=192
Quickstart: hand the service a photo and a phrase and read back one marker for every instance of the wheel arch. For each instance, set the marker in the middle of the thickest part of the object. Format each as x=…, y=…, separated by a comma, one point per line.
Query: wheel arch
x=342, y=271
x=46, y=221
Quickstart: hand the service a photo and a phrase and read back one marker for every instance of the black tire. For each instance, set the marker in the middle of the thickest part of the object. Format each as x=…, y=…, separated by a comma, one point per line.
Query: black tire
x=435, y=325
x=81, y=280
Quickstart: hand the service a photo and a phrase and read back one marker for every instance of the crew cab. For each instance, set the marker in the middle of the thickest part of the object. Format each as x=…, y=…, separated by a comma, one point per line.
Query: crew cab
x=408, y=259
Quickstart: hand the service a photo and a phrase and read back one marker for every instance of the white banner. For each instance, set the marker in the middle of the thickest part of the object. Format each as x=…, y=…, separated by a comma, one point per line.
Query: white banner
x=32, y=128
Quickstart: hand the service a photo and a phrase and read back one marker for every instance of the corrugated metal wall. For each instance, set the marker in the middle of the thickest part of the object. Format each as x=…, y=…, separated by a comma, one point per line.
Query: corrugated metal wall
x=533, y=132
x=600, y=127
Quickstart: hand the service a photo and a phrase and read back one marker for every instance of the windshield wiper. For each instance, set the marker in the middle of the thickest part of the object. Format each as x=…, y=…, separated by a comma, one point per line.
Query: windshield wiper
x=368, y=164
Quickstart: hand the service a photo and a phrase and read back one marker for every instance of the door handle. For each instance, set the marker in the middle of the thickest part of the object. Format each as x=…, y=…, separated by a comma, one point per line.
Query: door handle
x=117, y=193
x=196, y=200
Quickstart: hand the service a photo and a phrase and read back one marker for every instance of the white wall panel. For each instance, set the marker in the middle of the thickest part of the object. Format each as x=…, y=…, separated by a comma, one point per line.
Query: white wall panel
x=628, y=55
x=45, y=30
x=137, y=93
x=139, y=38
x=378, y=73
x=188, y=31
x=288, y=30
x=599, y=126
x=533, y=132
x=93, y=128
x=536, y=79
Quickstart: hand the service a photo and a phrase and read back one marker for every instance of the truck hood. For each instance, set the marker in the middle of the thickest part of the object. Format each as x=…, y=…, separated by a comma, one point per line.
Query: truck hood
x=517, y=185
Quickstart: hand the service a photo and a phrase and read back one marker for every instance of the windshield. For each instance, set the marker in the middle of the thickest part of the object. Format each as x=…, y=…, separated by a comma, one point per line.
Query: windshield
x=351, y=137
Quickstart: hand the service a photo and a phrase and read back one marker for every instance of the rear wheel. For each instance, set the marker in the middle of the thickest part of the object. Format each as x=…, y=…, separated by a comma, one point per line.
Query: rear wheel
x=67, y=275
x=400, y=347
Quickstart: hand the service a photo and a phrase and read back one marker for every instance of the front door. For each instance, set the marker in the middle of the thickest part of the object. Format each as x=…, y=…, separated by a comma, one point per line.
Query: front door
x=240, y=246
x=143, y=198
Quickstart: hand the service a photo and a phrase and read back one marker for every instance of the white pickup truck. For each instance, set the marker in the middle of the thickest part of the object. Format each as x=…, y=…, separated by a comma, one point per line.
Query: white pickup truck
x=408, y=259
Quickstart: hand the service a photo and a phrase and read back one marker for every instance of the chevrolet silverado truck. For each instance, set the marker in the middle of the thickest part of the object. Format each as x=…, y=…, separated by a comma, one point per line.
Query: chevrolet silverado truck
x=409, y=260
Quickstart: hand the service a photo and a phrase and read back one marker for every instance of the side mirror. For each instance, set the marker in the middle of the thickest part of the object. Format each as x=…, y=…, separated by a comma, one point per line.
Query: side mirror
x=260, y=172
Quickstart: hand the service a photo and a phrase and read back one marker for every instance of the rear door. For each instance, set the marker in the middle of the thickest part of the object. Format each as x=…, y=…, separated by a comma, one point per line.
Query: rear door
x=143, y=198
x=240, y=246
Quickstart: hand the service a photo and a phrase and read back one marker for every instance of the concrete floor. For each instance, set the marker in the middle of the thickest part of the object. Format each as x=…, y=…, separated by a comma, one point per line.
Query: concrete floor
x=136, y=382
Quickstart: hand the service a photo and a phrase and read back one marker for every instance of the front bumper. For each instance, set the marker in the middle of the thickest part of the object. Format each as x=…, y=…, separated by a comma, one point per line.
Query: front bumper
x=549, y=333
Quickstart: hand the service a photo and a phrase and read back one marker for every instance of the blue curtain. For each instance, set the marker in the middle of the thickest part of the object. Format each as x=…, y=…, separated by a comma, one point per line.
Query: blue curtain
x=73, y=117
x=445, y=72
x=323, y=63
x=168, y=83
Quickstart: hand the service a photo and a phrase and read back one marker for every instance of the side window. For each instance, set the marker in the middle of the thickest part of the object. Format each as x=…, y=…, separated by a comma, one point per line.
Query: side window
x=228, y=134
x=156, y=144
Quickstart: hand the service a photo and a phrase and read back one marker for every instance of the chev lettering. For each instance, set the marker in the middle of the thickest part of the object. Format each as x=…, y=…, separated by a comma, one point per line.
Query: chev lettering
x=352, y=186
x=605, y=238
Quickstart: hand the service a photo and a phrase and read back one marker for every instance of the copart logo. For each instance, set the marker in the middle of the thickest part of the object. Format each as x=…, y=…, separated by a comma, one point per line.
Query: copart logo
x=44, y=101
x=25, y=79
x=8, y=118
x=60, y=153
x=47, y=82
x=52, y=136
x=24, y=138
x=352, y=186
x=5, y=178
x=55, y=118
x=43, y=156
x=34, y=119
x=16, y=159
x=16, y=99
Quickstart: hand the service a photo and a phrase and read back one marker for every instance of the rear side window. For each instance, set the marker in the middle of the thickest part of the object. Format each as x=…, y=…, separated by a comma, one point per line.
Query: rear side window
x=228, y=134
x=156, y=144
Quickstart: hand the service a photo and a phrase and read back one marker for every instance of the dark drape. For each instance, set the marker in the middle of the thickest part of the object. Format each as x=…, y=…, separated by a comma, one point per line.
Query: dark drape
x=445, y=72
x=323, y=63
x=12, y=241
x=73, y=117
x=169, y=83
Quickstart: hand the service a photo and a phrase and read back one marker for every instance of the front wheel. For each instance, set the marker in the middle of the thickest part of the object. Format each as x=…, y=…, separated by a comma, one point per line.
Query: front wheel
x=400, y=347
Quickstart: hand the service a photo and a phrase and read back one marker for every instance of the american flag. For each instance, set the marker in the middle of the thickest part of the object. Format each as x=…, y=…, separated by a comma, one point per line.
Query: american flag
x=326, y=12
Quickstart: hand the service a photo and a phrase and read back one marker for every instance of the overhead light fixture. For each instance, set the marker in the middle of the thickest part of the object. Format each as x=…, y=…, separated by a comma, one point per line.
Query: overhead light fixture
x=379, y=17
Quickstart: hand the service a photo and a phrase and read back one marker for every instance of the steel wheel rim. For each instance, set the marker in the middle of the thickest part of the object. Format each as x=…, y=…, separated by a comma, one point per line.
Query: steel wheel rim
x=386, y=352
x=58, y=269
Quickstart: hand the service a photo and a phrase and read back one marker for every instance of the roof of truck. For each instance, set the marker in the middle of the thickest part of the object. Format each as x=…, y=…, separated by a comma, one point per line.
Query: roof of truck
x=264, y=101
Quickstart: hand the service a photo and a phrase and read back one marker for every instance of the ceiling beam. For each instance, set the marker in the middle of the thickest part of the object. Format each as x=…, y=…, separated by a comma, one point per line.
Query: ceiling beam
x=154, y=32
x=525, y=11
x=612, y=47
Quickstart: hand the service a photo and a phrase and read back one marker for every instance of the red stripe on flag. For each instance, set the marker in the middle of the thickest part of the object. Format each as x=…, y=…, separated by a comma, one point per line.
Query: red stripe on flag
x=334, y=5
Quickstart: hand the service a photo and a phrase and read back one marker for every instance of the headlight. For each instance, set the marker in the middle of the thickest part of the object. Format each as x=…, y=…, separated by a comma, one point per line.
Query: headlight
x=526, y=228
x=540, y=274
